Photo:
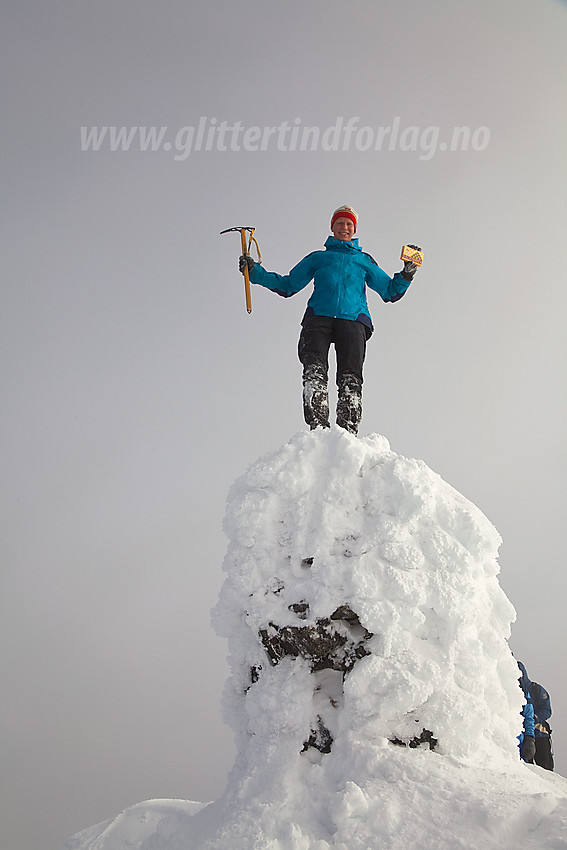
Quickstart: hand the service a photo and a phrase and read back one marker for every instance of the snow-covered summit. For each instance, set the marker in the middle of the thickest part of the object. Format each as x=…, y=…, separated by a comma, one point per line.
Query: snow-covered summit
x=373, y=696
x=331, y=520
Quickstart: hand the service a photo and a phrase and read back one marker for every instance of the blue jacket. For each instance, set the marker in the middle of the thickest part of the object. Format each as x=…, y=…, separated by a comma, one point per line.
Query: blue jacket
x=542, y=709
x=340, y=275
x=529, y=720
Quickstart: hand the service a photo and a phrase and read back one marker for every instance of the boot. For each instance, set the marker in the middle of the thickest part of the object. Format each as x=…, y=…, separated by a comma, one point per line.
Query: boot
x=349, y=402
x=315, y=396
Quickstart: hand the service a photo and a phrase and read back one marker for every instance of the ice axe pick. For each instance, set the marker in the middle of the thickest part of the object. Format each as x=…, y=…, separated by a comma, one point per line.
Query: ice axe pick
x=246, y=253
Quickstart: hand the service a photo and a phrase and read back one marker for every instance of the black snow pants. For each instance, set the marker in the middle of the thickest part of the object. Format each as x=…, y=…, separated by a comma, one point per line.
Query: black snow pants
x=544, y=752
x=349, y=338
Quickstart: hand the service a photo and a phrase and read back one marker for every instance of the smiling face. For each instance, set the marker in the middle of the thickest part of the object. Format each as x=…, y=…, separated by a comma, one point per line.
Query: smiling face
x=343, y=229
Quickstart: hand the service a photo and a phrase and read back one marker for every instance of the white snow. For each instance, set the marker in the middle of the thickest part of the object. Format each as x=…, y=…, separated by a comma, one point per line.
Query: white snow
x=330, y=520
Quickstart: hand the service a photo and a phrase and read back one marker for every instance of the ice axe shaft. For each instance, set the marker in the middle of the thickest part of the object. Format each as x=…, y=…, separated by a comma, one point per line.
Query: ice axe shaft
x=247, y=293
x=246, y=252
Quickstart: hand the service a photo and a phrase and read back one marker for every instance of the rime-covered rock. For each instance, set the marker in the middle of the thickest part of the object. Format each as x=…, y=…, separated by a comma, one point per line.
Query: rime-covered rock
x=372, y=693
x=332, y=524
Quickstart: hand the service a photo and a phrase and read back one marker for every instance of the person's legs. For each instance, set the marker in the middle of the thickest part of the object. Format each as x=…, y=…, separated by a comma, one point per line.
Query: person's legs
x=313, y=350
x=543, y=754
x=350, y=347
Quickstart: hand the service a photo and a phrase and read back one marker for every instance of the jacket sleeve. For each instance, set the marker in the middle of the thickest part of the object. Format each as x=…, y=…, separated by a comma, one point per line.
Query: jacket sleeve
x=388, y=288
x=529, y=723
x=286, y=284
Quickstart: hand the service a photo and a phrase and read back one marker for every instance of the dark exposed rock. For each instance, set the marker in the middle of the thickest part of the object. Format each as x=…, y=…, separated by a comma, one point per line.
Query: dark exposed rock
x=319, y=738
x=345, y=612
x=426, y=737
x=301, y=609
x=326, y=645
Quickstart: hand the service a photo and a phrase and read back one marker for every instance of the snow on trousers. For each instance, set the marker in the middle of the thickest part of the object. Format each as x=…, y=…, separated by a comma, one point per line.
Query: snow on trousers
x=349, y=339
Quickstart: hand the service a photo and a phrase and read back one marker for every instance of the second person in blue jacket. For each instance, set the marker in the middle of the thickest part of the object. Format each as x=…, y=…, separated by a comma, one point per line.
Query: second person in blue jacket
x=337, y=312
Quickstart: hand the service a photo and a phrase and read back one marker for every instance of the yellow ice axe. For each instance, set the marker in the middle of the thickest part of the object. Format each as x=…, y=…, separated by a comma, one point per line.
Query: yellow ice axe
x=246, y=253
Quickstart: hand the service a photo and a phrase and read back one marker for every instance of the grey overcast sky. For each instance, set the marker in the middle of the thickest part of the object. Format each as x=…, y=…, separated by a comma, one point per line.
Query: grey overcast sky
x=135, y=388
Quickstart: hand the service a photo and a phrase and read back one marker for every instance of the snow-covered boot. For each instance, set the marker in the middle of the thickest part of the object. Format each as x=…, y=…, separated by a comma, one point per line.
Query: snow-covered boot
x=315, y=396
x=349, y=402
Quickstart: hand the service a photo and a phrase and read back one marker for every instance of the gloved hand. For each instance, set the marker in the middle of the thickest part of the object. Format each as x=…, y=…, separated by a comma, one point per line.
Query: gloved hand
x=528, y=748
x=410, y=269
x=244, y=261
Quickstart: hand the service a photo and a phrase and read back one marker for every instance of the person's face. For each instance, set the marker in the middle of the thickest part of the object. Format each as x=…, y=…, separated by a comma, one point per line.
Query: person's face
x=343, y=229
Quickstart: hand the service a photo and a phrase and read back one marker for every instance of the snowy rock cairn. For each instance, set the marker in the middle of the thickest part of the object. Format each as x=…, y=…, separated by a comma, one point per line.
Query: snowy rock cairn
x=364, y=620
x=373, y=696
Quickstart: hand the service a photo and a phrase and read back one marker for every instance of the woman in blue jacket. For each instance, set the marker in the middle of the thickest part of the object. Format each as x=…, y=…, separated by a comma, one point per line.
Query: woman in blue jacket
x=337, y=312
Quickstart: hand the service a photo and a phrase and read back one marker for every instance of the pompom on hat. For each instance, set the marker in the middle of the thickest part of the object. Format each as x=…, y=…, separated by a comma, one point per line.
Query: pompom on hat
x=345, y=212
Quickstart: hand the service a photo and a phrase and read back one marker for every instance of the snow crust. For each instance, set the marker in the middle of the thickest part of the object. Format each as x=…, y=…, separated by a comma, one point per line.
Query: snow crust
x=328, y=523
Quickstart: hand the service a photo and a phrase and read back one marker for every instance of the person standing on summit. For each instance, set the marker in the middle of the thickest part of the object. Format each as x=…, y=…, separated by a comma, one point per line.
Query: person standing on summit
x=337, y=312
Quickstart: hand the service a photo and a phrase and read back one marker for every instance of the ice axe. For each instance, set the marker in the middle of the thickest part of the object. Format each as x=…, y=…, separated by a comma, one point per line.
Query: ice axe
x=246, y=253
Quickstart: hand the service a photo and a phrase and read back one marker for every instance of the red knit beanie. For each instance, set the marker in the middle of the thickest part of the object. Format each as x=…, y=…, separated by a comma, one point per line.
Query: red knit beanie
x=345, y=212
